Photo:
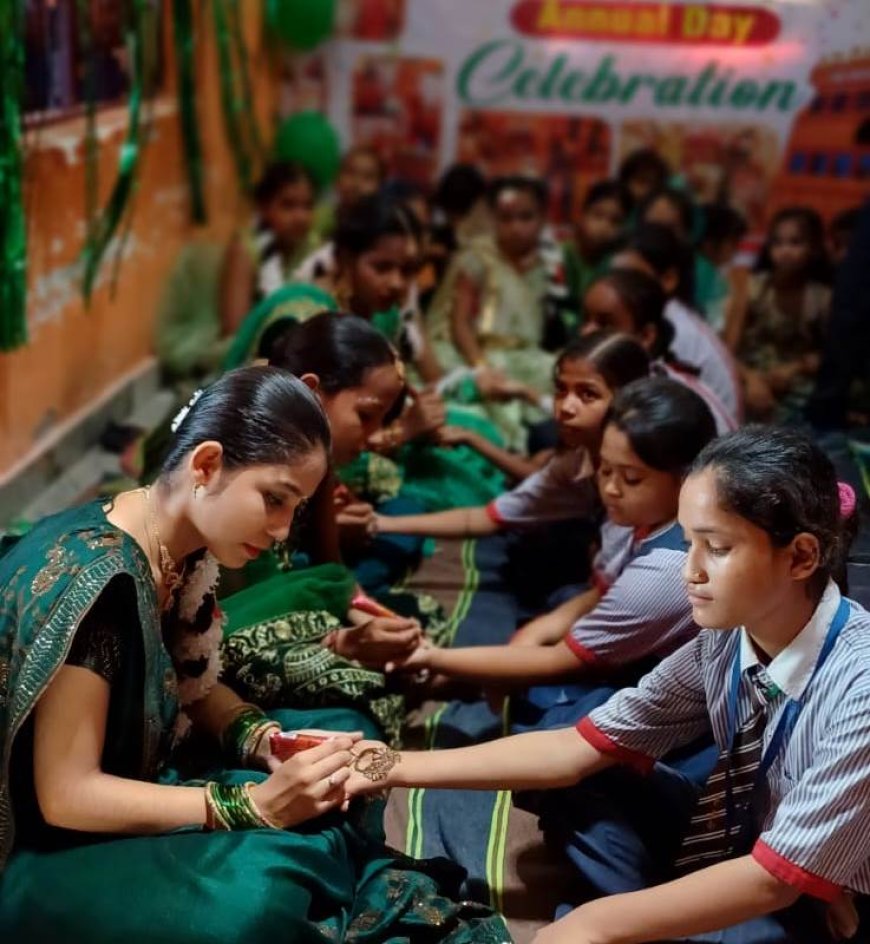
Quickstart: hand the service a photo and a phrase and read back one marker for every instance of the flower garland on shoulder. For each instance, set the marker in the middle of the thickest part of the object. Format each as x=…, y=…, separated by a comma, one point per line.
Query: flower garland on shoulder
x=194, y=637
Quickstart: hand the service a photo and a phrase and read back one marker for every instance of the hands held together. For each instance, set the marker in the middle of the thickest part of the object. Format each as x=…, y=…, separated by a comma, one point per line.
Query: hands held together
x=322, y=778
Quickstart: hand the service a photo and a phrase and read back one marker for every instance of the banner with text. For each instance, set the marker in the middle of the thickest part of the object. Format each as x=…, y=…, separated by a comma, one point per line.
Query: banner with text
x=763, y=103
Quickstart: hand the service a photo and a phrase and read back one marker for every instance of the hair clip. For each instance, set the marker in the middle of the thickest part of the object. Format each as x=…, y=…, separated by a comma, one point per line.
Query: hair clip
x=848, y=499
x=181, y=415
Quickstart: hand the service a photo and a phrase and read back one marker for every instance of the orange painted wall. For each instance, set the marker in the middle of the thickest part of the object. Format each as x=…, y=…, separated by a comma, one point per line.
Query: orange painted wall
x=74, y=353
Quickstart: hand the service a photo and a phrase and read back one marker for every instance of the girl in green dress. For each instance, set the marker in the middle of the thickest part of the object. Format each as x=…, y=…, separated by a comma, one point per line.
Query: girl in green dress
x=261, y=257
x=596, y=236
x=109, y=653
x=490, y=312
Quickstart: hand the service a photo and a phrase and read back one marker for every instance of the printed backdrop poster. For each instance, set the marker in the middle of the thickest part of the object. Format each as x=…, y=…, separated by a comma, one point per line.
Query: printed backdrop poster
x=760, y=103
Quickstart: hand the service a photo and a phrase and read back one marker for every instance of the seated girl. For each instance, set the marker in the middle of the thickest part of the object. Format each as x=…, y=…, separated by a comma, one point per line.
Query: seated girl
x=588, y=374
x=293, y=635
x=637, y=611
x=261, y=258
x=109, y=653
x=642, y=172
x=360, y=174
x=657, y=251
x=596, y=235
x=634, y=302
x=674, y=208
x=780, y=334
x=720, y=284
x=774, y=849
x=491, y=309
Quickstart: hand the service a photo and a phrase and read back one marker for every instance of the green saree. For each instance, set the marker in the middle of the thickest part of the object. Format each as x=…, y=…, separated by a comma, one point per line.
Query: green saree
x=330, y=879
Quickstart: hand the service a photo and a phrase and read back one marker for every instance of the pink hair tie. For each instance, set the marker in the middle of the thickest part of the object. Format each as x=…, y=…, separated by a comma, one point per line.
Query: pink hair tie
x=848, y=499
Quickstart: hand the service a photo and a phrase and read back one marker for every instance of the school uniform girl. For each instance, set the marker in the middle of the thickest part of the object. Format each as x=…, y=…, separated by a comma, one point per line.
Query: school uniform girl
x=777, y=846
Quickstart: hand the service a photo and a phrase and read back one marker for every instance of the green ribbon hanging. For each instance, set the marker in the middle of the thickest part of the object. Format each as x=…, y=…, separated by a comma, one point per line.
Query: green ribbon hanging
x=89, y=89
x=104, y=227
x=182, y=25
x=13, y=229
x=235, y=86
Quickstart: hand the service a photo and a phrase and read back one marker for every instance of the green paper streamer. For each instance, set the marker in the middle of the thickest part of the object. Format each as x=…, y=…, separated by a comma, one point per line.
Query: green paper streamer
x=89, y=87
x=13, y=229
x=236, y=101
x=182, y=23
x=248, y=111
x=104, y=227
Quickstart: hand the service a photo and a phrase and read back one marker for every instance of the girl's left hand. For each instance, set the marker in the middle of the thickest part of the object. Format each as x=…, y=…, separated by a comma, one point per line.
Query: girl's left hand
x=357, y=784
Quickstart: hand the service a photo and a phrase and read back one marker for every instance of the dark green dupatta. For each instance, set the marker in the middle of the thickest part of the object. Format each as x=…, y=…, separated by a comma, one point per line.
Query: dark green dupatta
x=49, y=580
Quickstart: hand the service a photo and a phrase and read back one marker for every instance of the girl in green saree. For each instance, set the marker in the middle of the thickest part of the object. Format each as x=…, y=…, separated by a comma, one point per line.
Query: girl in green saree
x=109, y=641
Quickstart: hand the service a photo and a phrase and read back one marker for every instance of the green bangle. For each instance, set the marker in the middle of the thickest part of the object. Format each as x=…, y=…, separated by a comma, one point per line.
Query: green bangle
x=231, y=807
x=237, y=733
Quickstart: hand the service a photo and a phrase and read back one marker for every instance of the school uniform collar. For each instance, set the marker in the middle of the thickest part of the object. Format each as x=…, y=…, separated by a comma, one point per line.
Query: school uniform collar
x=642, y=535
x=792, y=669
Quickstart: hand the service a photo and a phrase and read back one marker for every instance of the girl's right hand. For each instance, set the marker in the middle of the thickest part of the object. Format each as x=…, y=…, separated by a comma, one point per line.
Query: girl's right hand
x=310, y=784
x=379, y=640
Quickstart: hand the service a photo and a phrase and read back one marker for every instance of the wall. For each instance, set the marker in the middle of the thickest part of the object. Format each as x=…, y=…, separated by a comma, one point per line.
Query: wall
x=75, y=354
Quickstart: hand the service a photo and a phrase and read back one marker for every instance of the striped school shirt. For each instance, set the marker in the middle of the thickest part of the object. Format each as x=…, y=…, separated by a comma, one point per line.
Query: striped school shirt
x=697, y=344
x=816, y=832
x=644, y=611
x=564, y=489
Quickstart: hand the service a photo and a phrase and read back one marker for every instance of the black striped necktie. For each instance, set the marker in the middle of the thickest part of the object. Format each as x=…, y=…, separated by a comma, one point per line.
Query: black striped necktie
x=709, y=837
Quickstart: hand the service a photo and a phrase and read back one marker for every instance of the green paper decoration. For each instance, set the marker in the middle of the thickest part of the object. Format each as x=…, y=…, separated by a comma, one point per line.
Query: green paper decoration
x=13, y=229
x=235, y=88
x=101, y=231
x=301, y=24
x=307, y=137
x=182, y=23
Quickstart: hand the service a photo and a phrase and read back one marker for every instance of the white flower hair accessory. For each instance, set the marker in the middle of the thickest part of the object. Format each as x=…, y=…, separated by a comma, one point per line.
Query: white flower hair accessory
x=181, y=415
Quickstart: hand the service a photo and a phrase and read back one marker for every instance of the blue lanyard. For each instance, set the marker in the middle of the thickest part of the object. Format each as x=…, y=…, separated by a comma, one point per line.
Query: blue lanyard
x=790, y=713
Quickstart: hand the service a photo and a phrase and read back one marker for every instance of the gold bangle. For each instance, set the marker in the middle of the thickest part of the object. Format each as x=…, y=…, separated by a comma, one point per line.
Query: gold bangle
x=214, y=819
x=255, y=811
x=256, y=738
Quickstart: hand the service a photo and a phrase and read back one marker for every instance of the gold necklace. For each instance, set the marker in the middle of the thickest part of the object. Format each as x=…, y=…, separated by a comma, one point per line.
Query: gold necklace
x=166, y=565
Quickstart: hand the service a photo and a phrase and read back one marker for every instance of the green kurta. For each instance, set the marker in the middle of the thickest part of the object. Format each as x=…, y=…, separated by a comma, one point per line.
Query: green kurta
x=330, y=879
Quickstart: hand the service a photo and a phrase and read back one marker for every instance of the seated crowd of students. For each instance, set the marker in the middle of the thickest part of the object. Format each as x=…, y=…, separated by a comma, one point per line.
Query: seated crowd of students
x=204, y=680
